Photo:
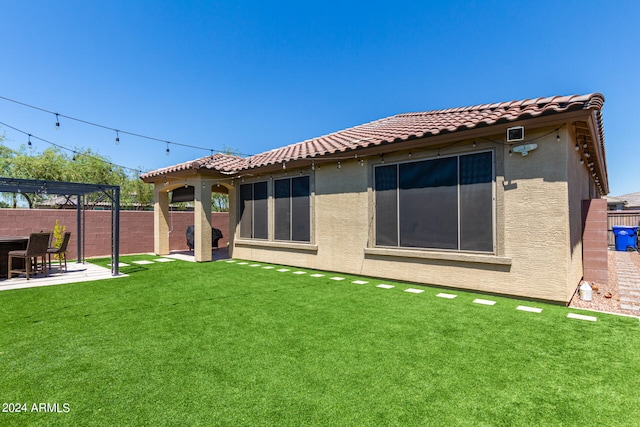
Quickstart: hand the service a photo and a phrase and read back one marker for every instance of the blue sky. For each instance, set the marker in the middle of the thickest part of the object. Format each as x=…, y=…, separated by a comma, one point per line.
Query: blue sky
x=254, y=76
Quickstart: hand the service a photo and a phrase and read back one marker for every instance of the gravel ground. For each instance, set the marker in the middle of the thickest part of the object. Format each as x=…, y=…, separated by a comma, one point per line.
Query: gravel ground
x=599, y=301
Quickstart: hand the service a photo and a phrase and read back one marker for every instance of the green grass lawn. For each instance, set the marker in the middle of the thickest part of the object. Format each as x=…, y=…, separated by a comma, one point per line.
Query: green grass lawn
x=233, y=345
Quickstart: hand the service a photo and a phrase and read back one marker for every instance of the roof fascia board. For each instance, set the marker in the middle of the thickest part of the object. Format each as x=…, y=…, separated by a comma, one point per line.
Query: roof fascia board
x=598, y=145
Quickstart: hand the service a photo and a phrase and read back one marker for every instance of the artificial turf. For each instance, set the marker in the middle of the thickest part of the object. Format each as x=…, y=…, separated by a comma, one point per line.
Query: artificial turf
x=226, y=344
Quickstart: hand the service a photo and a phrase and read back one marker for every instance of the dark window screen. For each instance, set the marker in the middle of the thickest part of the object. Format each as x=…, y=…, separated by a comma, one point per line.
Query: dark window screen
x=386, y=192
x=260, y=214
x=444, y=203
x=246, y=210
x=282, y=206
x=476, y=202
x=428, y=204
x=300, y=209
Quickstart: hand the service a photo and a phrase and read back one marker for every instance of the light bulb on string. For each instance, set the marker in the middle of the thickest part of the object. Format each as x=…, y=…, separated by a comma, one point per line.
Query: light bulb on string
x=117, y=138
x=167, y=150
x=29, y=141
x=57, y=122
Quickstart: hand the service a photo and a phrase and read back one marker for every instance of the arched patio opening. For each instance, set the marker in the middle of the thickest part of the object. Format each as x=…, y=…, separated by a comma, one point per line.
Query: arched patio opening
x=197, y=189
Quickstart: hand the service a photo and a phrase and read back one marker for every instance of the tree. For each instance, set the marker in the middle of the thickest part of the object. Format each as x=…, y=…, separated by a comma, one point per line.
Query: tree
x=136, y=194
x=83, y=166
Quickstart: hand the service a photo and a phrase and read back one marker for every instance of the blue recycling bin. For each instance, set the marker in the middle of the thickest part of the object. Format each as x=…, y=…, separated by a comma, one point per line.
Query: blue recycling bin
x=625, y=237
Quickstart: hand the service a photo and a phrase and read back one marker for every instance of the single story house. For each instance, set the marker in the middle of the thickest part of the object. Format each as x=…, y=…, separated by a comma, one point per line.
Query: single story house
x=502, y=198
x=630, y=201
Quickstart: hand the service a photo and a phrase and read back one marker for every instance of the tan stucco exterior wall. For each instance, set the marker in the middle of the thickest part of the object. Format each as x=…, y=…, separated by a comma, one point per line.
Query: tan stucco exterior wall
x=537, y=225
x=578, y=188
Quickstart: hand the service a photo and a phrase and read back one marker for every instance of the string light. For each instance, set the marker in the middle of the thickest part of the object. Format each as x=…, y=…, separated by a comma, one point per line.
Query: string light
x=339, y=165
x=117, y=138
x=557, y=136
x=582, y=161
x=474, y=143
x=57, y=122
x=313, y=165
x=577, y=147
x=167, y=150
x=284, y=165
x=62, y=147
x=57, y=115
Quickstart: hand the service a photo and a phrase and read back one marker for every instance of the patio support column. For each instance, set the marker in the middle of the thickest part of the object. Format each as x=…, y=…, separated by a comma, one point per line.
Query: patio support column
x=202, y=220
x=160, y=221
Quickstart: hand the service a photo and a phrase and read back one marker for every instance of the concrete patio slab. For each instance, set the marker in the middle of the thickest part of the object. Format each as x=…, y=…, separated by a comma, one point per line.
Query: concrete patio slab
x=75, y=273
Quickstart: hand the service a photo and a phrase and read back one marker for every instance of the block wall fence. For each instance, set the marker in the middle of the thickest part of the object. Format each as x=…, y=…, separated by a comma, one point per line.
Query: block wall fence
x=136, y=228
x=594, y=241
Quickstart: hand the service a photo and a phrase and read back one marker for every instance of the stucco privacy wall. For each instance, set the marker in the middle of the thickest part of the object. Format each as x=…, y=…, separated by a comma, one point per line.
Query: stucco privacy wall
x=532, y=226
x=136, y=228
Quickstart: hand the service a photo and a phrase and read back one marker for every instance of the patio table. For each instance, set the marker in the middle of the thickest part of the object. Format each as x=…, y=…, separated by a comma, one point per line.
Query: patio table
x=7, y=244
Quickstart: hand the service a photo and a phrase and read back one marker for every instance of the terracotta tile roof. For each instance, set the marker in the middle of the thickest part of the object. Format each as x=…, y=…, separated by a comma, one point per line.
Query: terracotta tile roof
x=401, y=127
x=220, y=162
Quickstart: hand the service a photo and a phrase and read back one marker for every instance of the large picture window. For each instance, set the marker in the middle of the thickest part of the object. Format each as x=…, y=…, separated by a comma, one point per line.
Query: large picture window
x=443, y=203
x=292, y=220
x=254, y=218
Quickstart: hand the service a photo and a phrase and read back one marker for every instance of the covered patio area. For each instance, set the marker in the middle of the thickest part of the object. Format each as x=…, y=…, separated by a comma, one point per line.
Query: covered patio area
x=192, y=181
x=216, y=255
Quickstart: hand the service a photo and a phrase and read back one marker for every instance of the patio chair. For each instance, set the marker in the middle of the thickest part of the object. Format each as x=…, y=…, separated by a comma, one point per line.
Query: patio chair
x=61, y=252
x=36, y=248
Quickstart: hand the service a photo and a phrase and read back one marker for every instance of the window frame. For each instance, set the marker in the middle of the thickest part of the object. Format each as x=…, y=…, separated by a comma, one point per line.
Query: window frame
x=398, y=215
x=253, y=210
x=291, y=210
